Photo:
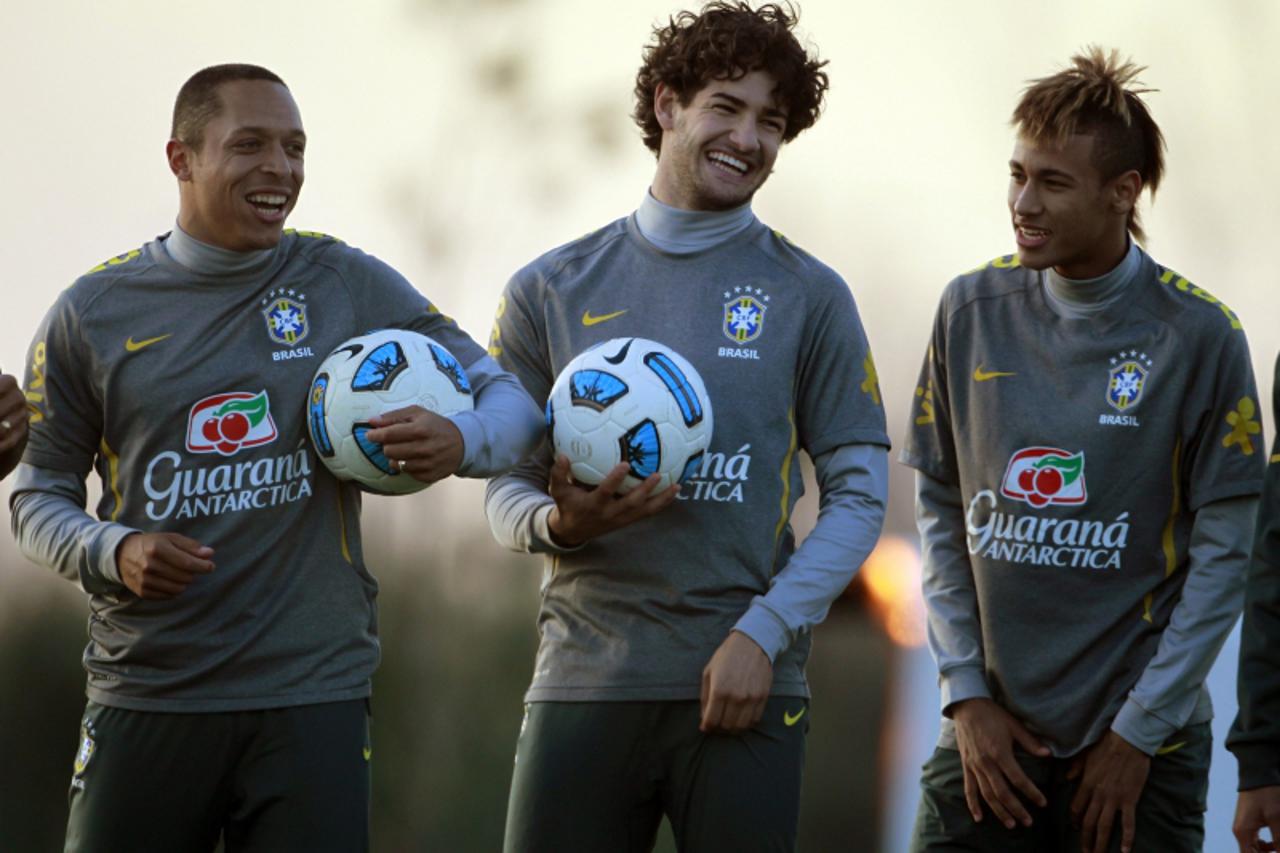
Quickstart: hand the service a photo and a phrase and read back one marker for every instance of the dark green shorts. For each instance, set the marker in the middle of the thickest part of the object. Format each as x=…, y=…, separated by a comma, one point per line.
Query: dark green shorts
x=277, y=780
x=1169, y=817
x=599, y=776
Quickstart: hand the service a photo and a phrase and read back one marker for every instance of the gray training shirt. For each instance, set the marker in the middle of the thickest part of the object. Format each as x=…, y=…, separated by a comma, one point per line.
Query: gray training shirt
x=123, y=374
x=637, y=613
x=1081, y=449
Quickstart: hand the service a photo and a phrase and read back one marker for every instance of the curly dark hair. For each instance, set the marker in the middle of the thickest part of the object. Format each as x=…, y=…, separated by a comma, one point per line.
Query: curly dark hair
x=729, y=41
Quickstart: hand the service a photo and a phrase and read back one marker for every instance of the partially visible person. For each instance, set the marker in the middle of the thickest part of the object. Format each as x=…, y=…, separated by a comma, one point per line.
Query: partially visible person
x=233, y=628
x=1088, y=456
x=1255, y=735
x=13, y=424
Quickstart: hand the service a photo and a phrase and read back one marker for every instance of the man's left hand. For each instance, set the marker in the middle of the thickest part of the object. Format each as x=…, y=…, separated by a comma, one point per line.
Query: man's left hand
x=735, y=686
x=420, y=443
x=1113, y=773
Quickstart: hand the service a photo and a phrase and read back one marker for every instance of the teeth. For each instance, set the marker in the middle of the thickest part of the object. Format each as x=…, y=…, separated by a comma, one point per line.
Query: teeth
x=1032, y=232
x=725, y=160
x=265, y=198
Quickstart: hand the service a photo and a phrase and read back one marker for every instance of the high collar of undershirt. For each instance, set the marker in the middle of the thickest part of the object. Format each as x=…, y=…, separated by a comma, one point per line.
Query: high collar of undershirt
x=211, y=260
x=683, y=232
x=1082, y=298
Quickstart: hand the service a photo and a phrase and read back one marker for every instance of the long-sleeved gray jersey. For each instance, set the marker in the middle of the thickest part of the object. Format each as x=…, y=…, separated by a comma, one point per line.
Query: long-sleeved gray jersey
x=1081, y=451
x=121, y=369
x=636, y=614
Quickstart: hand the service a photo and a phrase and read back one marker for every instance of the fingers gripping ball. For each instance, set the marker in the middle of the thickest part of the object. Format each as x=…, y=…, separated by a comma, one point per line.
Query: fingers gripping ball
x=630, y=400
x=370, y=375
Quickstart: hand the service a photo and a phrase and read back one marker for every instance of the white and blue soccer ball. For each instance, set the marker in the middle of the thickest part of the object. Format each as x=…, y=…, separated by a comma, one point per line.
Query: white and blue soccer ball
x=367, y=376
x=630, y=400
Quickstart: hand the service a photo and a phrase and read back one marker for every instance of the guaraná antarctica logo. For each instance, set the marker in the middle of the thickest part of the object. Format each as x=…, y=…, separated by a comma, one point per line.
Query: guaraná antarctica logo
x=1045, y=475
x=225, y=423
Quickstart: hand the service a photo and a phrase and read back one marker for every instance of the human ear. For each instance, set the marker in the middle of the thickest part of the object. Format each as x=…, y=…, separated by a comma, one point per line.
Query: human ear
x=664, y=106
x=179, y=157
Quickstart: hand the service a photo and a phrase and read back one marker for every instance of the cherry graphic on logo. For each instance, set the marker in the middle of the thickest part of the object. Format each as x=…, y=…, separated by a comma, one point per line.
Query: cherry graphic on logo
x=1048, y=481
x=235, y=427
x=1027, y=480
x=210, y=431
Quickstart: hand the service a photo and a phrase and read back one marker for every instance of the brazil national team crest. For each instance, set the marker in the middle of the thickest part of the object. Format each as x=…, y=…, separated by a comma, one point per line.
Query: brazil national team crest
x=1045, y=475
x=744, y=314
x=286, y=314
x=85, y=752
x=1127, y=379
x=226, y=423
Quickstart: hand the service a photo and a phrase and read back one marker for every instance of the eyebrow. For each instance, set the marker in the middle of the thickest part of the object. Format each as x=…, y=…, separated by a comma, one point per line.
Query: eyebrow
x=1044, y=173
x=738, y=102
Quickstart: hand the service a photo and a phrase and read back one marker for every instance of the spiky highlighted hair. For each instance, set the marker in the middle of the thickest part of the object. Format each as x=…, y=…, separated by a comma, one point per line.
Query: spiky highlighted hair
x=1099, y=94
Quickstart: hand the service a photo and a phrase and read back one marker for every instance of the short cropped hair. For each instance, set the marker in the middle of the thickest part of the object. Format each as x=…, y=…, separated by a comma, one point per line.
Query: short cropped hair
x=728, y=41
x=1098, y=95
x=198, y=102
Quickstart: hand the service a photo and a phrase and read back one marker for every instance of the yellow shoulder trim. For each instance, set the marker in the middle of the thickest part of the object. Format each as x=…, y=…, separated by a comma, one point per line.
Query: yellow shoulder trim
x=1004, y=262
x=116, y=261
x=1180, y=284
x=313, y=235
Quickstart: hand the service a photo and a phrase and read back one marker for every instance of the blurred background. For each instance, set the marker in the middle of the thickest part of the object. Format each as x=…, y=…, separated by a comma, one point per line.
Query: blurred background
x=458, y=140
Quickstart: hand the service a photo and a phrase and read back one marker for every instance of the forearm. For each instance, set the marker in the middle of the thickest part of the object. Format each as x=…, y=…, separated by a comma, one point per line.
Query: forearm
x=52, y=529
x=853, y=490
x=517, y=506
x=504, y=427
x=1212, y=597
x=951, y=601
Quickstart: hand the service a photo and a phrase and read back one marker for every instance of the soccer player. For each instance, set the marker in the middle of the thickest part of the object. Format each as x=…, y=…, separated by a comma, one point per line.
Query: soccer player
x=1087, y=444
x=232, y=633
x=675, y=626
x=13, y=424
x=1255, y=734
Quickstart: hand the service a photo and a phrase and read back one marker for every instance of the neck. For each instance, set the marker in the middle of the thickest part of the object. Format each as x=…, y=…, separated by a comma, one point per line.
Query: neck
x=207, y=259
x=683, y=232
x=1078, y=298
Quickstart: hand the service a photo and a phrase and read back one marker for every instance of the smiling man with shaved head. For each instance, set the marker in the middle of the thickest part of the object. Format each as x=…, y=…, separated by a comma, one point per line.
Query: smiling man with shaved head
x=233, y=631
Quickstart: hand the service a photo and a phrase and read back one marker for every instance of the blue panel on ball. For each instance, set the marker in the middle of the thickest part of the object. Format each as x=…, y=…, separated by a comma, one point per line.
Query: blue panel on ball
x=371, y=449
x=380, y=368
x=315, y=415
x=641, y=449
x=673, y=377
x=449, y=367
x=595, y=389
x=551, y=418
x=692, y=467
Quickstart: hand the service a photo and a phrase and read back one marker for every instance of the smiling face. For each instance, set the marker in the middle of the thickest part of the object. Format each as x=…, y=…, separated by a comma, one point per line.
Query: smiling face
x=719, y=148
x=238, y=187
x=1065, y=215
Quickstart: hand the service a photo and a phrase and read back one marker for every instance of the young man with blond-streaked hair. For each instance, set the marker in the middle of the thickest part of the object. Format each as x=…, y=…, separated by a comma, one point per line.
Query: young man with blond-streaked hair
x=1088, y=455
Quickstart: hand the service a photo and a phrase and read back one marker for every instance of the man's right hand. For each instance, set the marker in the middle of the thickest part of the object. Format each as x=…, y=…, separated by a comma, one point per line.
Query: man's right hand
x=581, y=514
x=1256, y=809
x=161, y=565
x=985, y=734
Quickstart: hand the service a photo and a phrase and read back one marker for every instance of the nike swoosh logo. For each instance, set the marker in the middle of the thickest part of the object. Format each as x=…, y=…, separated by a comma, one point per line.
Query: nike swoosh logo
x=791, y=720
x=588, y=320
x=133, y=346
x=617, y=357
x=980, y=375
x=1173, y=747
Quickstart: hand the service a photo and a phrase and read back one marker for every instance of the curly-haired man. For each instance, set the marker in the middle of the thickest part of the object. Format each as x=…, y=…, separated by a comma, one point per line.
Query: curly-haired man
x=670, y=675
